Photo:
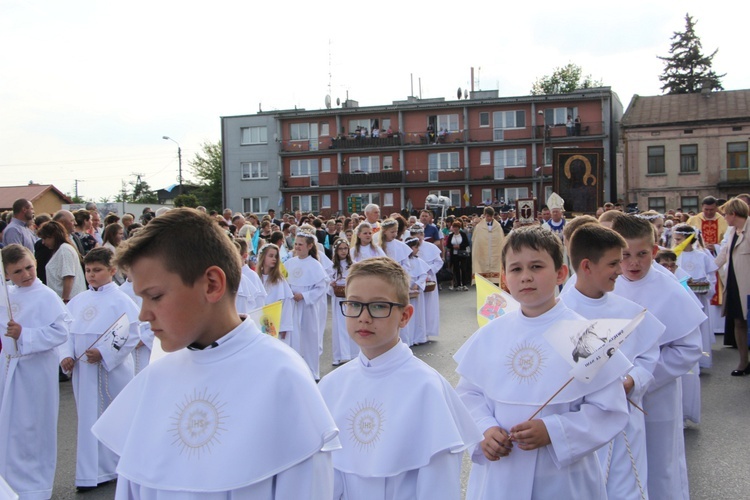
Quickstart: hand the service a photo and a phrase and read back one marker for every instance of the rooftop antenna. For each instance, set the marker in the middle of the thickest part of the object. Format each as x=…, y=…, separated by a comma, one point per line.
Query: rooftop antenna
x=330, y=71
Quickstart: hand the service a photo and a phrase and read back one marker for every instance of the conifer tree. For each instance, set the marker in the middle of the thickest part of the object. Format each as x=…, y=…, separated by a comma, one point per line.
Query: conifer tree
x=687, y=69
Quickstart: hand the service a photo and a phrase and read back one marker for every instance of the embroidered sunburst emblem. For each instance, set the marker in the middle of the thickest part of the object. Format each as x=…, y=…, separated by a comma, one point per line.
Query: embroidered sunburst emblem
x=15, y=309
x=297, y=273
x=197, y=423
x=89, y=313
x=525, y=362
x=366, y=424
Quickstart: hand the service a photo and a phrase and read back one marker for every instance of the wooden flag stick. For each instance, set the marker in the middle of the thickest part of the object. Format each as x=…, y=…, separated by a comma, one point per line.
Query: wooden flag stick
x=551, y=398
x=100, y=337
x=638, y=407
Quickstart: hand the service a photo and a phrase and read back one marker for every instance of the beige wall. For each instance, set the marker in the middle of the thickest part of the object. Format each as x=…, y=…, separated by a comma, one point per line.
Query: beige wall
x=674, y=185
x=49, y=203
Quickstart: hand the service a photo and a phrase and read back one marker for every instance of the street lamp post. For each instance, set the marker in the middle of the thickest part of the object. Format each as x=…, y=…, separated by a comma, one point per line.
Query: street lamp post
x=179, y=158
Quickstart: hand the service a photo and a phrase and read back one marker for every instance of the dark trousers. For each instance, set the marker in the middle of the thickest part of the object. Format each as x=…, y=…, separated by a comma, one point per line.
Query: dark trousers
x=460, y=265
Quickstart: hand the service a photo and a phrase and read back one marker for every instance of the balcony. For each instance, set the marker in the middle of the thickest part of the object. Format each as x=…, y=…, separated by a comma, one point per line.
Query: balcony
x=734, y=176
x=362, y=178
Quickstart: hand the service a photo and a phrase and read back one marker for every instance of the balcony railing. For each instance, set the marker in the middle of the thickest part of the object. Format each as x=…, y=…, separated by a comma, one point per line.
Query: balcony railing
x=734, y=175
x=394, y=177
x=554, y=133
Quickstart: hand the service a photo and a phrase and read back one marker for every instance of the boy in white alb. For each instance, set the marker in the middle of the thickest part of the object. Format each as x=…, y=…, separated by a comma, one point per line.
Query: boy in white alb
x=100, y=368
x=595, y=253
x=508, y=371
x=29, y=393
x=680, y=349
x=220, y=417
x=406, y=427
x=142, y=351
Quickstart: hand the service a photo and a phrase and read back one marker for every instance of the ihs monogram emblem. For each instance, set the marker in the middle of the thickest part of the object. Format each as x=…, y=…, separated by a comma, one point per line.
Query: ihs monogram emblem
x=198, y=423
x=297, y=273
x=89, y=313
x=366, y=424
x=15, y=309
x=526, y=361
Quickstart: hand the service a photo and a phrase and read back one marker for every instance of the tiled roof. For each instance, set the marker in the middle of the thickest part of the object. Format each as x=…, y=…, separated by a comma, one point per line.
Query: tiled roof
x=732, y=105
x=9, y=194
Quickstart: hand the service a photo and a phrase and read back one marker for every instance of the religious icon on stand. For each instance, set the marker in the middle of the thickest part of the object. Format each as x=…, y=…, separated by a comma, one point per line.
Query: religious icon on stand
x=526, y=211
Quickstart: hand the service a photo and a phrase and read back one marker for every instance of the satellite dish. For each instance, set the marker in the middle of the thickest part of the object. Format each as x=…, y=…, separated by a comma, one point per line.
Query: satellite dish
x=466, y=93
x=328, y=102
x=459, y=93
x=432, y=200
x=338, y=102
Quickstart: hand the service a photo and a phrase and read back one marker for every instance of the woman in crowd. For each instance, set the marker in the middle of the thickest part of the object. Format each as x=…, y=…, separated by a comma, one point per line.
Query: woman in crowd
x=457, y=246
x=83, y=230
x=64, y=270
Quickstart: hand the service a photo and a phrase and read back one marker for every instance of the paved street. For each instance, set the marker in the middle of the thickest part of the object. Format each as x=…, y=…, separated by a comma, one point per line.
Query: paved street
x=718, y=453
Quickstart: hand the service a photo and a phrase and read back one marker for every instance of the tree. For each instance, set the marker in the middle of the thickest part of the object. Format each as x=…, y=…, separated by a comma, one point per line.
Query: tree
x=142, y=192
x=206, y=166
x=687, y=70
x=563, y=81
x=186, y=200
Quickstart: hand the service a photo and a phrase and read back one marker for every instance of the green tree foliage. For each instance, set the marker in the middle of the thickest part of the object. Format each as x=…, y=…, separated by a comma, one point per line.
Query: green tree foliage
x=564, y=80
x=206, y=166
x=141, y=191
x=687, y=70
x=186, y=200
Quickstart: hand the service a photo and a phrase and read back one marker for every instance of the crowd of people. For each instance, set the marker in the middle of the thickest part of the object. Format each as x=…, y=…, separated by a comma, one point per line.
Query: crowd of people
x=190, y=277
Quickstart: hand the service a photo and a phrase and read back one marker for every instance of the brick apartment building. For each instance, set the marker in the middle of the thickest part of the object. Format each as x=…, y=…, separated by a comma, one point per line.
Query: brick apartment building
x=485, y=149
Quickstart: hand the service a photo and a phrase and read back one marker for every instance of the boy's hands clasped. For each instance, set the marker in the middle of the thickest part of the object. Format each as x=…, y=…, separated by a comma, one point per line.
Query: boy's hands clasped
x=529, y=435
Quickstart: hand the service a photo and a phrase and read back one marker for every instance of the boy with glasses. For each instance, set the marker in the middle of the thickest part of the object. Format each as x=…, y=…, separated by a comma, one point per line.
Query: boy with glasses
x=405, y=429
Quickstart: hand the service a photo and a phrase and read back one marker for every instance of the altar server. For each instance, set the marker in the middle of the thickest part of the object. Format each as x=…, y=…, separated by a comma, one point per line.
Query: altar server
x=344, y=348
x=391, y=245
x=142, y=351
x=231, y=413
x=432, y=255
x=407, y=427
x=29, y=394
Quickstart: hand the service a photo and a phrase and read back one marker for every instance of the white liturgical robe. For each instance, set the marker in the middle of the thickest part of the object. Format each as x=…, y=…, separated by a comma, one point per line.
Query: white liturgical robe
x=344, y=348
x=240, y=420
x=430, y=253
x=508, y=370
x=405, y=429
x=680, y=348
x=29, y=393
x=95, y=385
x=366, y=252
x=142, y=353
x=624, y=458
x=281, y=291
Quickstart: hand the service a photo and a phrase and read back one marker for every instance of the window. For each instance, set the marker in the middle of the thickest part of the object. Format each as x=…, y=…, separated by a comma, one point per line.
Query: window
x=386, y=123
x=737, y=155
x=325, y=165
x=656, y=160
x=368, y=198
x=447, y=122
x=370, y=164
x=547, y=157
x=325, y=129
x=484, y=158
x=507, y=119
x=559, y=116
x=299, y=131
x=441, y=161
x=484, y=119
x=325, y=201
x=453, y=194
x=689, y=203
x=356, y=124
x=305, y=203
x=388, y=162
x=487, y=196
x=387, y=199
x=254, y=135
x=513, y=194
x=508, y=158
x=658, y=203
x=254, y=170
x=257, y=205
x=688, y=158
x=305, y=168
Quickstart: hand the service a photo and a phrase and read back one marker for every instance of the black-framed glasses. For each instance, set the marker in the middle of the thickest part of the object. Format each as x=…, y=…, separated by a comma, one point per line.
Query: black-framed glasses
x=353, y=308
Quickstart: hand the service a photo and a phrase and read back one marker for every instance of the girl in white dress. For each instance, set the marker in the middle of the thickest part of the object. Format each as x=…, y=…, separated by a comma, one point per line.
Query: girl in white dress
x=391, y=245
x=309, y=283
x=362, y=246
x=269, y=271
x=344, y=348
x=414, y=333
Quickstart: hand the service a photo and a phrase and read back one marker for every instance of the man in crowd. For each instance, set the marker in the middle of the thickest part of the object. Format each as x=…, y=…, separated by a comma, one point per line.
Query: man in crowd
x=17, y=230
x=65, y=217
x=506, y=221
x=431, y=232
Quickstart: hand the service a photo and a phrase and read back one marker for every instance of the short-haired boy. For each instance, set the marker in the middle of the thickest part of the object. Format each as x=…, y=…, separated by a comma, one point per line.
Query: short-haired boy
x=508, y=370
x=105, y=366
x=405, y=427
x=29, y=387
x=231, y=412
x=596, y=254
x=680, y=349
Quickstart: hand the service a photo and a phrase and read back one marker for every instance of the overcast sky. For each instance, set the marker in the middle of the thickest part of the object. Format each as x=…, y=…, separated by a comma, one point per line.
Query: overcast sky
x=89, y=87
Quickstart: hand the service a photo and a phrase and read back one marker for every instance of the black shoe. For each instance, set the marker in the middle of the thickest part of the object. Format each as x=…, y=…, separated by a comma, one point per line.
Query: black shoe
x=740, y=373
x=84, y=489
